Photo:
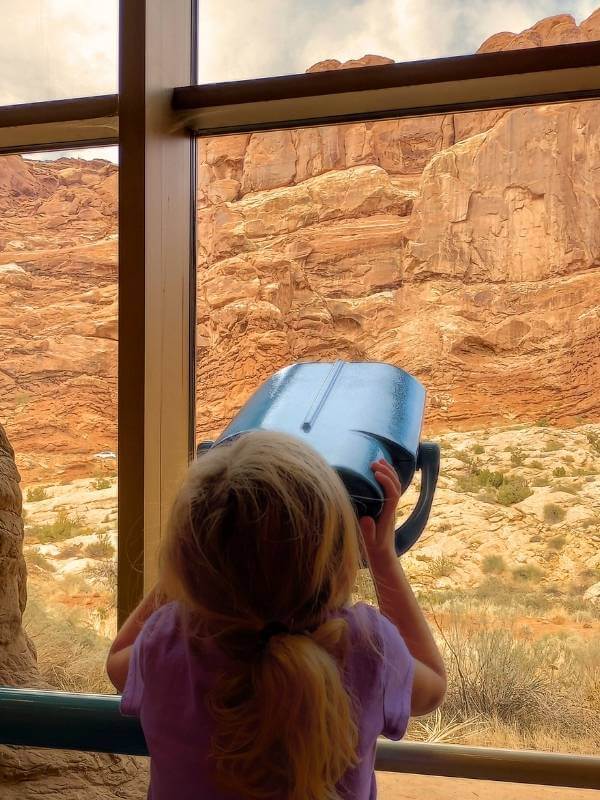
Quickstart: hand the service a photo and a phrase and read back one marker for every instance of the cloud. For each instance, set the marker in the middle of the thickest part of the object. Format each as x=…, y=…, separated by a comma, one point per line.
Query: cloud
x=256, y=38
x=109, y=153
x=52, y=49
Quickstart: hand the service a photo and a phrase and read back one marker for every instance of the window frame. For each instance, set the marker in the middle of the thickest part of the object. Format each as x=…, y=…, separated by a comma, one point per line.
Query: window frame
x=155, y=120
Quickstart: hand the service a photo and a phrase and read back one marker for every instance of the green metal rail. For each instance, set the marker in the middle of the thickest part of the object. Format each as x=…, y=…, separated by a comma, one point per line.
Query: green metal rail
x=91, y=722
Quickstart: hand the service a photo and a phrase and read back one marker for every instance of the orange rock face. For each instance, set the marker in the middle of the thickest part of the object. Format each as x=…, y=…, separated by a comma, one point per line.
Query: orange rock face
x=58, y=313
x=465, y=248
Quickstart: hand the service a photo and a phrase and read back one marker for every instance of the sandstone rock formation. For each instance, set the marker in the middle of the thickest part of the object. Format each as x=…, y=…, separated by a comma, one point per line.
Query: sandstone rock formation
x=17, y=654
x=463, y=247
x=58, y=313
x=27, y=774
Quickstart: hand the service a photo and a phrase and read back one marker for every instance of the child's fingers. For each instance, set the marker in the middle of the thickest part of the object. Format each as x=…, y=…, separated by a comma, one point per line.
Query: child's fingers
x=367, y=528
x=390, y=484
x=392, y=495
x=387, y=469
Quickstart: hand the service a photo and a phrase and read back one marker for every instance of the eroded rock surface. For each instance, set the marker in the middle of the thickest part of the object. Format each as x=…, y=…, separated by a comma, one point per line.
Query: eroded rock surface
x=27, y=774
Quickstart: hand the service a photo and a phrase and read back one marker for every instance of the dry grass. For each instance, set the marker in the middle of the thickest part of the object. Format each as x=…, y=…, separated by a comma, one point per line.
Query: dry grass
x=543, y=693
x=36, y=559
x=493, y=565
x=101, y=483
x=70, y=655
x=63, y=527
x=102, y=548
x=36, y=494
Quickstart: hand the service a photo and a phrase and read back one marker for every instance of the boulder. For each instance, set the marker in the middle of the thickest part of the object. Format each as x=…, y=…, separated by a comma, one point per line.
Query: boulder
x=28, y=774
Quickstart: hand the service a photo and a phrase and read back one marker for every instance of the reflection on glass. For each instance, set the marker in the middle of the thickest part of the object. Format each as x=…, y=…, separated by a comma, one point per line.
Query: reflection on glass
x=243, y=40
x=54, y=49
x=464, y=248
x=58, y=378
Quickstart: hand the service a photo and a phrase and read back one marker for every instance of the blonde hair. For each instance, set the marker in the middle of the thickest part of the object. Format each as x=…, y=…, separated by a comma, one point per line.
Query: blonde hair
x=264, y=531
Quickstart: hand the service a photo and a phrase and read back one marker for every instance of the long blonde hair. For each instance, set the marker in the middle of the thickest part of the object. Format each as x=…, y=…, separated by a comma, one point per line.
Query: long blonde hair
x=263, y=534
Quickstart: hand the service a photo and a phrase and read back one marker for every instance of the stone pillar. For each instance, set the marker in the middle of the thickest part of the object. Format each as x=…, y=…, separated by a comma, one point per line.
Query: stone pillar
x=27, y=774
x=17, y=654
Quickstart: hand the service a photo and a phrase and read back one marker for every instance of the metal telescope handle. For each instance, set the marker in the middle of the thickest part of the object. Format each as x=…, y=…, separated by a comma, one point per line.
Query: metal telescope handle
x=428, y=461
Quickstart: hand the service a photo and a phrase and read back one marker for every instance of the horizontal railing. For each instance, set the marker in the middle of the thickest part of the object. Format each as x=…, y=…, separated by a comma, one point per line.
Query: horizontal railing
x=88, y=722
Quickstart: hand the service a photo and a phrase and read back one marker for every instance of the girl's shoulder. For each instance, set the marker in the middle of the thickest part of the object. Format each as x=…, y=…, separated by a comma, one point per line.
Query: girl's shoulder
x=162, y=625
x=367, y=625
x=363, y=616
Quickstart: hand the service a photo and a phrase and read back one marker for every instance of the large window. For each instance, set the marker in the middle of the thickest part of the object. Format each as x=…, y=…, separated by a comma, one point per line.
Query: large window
x=462, y=246
x=58, y=346
x=279, y=37
x=464, y=249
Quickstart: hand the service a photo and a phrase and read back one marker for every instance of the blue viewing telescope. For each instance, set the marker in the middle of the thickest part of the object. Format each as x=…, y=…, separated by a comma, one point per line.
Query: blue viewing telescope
x=352, y=413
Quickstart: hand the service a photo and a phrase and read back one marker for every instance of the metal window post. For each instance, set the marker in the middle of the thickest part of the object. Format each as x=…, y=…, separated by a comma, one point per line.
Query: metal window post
x=155, y=281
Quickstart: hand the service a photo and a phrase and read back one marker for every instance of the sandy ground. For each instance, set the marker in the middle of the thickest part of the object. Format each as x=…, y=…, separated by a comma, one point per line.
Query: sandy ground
x=424, y=787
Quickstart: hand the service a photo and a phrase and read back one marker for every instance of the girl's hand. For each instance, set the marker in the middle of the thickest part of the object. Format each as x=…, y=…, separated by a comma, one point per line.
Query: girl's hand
x=379, y=536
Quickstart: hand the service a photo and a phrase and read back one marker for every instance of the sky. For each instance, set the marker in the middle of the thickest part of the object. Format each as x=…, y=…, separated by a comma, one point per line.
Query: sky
x=51, y=49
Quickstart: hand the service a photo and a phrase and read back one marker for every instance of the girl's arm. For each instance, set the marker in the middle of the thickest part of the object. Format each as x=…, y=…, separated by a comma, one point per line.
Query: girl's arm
x=397, y=601
x=117, y=663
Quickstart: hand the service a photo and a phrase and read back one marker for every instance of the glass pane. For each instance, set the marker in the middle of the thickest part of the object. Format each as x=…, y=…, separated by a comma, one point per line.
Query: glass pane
x=278, y=37
x=414, y=787
x=465, y=249
x=55, y=49
x=58, y=399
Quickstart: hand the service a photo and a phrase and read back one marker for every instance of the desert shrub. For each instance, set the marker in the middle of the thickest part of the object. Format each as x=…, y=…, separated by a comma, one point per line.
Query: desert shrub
x=63, y=527
x=467, y=483
x=487, y=478
x=71, y=550
x=478, y=449
x=517, y=457
x=552, y=445
x=557, y=542
x=527, y=572
x=536, y=465
x=493, y=564
x=544, y=422
x=36, y=493
x=593, y=440
x=541, y=480
x=491, y=674
x=559, y=472
x=494, y=675
x=590, y=522
x=495, y=590
x=74, y=584
x=36, y=559
x=101, y=483
x=441, y=567
x=477, y=479
x=553, y=513
x=70, y=654
x=102, y=548
x=513, y=490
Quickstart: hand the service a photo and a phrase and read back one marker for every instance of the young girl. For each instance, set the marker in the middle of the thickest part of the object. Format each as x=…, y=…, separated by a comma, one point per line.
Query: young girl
x=251, y=672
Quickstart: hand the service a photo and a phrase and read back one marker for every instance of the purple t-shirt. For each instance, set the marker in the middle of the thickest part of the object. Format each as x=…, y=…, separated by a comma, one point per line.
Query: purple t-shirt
x=168, y=682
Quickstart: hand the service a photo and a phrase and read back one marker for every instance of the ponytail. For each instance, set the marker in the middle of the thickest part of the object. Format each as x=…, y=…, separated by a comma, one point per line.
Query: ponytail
x=285, y=725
